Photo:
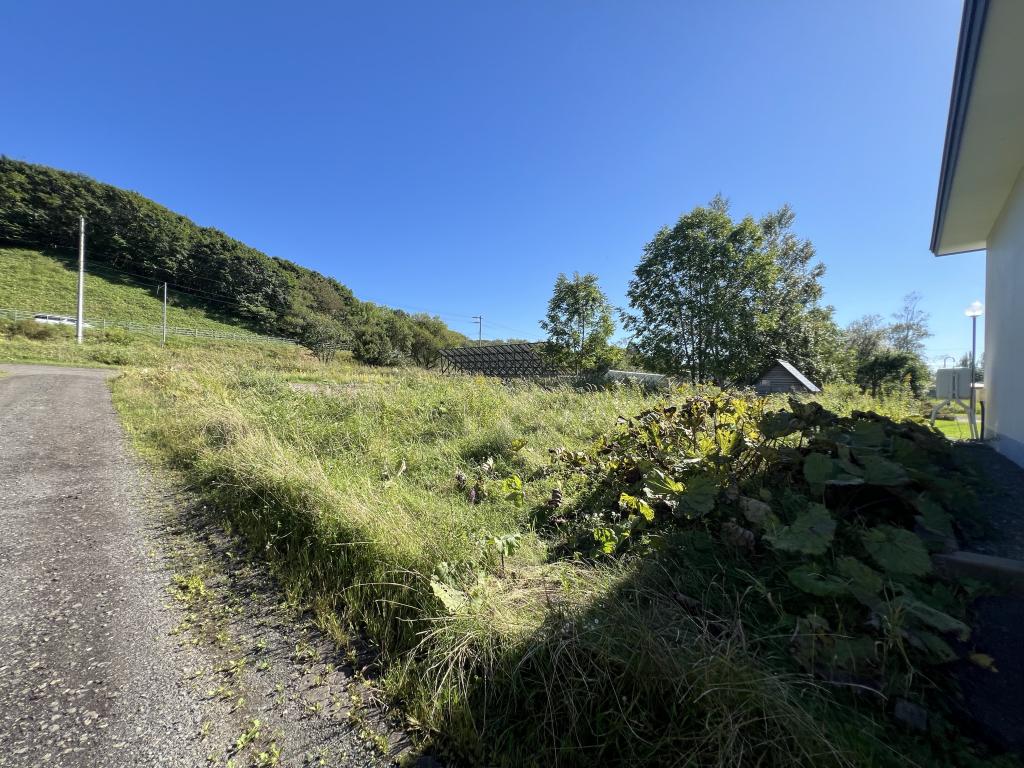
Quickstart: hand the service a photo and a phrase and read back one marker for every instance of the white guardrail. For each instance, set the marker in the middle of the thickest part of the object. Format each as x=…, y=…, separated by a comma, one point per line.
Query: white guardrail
x=198, y=333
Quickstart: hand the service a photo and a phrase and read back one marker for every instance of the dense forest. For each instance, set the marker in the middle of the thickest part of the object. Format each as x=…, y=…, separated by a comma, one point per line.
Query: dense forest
x=40, y=206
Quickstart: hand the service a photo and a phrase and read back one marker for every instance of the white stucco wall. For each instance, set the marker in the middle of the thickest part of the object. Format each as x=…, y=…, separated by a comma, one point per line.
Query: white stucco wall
x=1004, y=328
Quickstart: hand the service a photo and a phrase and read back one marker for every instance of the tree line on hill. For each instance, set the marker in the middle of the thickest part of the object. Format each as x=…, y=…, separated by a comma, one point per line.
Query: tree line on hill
x=41, y=206
x=717, y=300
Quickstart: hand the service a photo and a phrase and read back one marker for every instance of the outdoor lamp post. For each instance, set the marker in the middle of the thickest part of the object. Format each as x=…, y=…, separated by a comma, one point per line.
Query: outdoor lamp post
x=974, y=312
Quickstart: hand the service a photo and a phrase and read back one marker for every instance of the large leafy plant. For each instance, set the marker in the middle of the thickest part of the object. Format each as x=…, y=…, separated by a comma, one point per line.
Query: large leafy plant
x=833, y=518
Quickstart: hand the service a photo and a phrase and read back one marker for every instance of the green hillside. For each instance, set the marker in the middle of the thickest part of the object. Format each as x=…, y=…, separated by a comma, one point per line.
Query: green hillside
x=40, y=208
x=48, y=282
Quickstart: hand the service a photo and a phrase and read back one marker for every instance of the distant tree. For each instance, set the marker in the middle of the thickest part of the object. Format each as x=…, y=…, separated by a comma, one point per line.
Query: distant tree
x=579, y=323
x=866, y=337
x=891, y=368
x=323, y=337
x=429, y=335
x=910, y=326
x=384, y=337
x=979, y=365
x=719, y=299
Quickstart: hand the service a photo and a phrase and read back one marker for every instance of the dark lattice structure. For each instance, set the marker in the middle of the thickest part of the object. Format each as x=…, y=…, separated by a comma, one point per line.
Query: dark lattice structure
x=503, y=360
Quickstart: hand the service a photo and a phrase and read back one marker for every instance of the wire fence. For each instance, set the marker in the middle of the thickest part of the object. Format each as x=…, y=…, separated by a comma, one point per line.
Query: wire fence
x=131, y=327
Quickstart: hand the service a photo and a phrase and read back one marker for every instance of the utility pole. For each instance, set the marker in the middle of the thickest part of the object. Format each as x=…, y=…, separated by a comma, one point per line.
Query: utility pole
x=164, y=340
x=479, y=320
x=80, y=322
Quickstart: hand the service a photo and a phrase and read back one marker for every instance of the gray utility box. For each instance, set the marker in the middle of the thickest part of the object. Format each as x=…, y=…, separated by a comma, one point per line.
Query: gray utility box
x=953, y=383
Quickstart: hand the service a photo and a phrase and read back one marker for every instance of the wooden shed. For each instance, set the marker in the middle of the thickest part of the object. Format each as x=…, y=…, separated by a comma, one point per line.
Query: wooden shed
x=783, y=377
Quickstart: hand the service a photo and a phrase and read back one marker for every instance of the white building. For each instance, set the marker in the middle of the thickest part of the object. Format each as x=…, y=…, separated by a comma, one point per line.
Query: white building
x=981, y=198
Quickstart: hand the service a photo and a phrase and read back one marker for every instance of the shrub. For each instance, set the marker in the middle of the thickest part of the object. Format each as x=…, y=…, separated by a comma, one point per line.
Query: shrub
x=30, y=329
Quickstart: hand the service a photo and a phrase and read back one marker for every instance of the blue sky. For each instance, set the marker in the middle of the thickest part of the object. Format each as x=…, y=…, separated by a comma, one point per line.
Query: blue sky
x=455, y=156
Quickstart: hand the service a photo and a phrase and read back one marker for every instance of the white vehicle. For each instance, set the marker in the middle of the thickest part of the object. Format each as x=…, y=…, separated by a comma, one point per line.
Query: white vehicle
x=57, y=320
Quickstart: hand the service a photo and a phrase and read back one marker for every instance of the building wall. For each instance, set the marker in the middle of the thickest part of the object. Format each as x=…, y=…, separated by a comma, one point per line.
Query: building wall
x=778, y=379
x=1004, y=328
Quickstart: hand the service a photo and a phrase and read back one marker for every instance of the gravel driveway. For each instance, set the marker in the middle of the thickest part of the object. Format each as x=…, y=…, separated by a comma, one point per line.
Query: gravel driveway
x=95, y=668
x=87, y=667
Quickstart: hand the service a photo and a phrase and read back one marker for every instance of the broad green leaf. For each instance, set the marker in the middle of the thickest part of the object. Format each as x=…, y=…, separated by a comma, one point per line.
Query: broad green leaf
x=778, y=424
x=932, y=617
x=934, y=517
x=818, y=468
x=639, y=506
x=854, y=652
x=810, y=579
x=879, y=471
x=811, y=532
x=897, y=550
x=661, y=484
x=845, y=479
x=860, y=578
x=867, y=434
x=934, y=645
x=845, y=461
x=699, y=496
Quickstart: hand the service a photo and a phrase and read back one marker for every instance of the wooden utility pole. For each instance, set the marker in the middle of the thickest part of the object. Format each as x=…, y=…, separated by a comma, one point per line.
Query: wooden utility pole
x=164, y=340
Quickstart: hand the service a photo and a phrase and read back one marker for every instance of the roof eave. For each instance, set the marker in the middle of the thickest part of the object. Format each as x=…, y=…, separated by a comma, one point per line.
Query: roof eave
x=972, y=25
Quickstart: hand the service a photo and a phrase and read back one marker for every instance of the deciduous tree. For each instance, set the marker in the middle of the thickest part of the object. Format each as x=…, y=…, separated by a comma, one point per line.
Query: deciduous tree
x=719, y=299
x=578, y=324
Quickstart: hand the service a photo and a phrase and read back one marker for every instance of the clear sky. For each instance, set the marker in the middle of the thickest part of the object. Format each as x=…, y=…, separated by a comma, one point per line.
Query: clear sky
x=454, y=156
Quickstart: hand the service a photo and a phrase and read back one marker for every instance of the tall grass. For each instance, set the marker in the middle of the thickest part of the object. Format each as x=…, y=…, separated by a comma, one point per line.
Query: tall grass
x=357, y=481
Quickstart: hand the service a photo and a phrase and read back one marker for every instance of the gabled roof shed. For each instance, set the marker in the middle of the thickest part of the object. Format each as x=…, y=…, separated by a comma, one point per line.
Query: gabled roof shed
x=783, y=377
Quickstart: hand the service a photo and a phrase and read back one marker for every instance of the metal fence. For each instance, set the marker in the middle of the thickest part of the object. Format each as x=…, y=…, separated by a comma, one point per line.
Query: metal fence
x=198, y=333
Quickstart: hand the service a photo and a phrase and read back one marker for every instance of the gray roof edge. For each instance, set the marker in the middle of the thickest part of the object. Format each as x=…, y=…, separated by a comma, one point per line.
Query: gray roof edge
x=799, y=376
x=972, y=25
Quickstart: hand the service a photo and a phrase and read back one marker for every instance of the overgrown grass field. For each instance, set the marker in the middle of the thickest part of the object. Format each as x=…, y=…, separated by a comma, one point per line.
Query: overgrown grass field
x=416, y=509
x=380, y=490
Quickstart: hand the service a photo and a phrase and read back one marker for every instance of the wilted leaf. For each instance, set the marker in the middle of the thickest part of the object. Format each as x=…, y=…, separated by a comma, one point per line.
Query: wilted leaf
x=452, y=599
x=811, y=532
x=810, y=579
x=755, y=511
x=897, y=550
x=984, y=661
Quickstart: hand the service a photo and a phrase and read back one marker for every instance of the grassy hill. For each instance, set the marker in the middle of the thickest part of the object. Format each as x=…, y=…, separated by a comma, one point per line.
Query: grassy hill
x=40, y=281
x=40, y=208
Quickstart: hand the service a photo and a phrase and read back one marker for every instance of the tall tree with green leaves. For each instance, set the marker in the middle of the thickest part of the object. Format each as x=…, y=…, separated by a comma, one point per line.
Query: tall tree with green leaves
x=910, y=326
x=719, y=299
x=579, y=324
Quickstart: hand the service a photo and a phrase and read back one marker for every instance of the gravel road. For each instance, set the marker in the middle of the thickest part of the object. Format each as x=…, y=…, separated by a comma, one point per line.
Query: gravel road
x=93, y=668
x=87, y=667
